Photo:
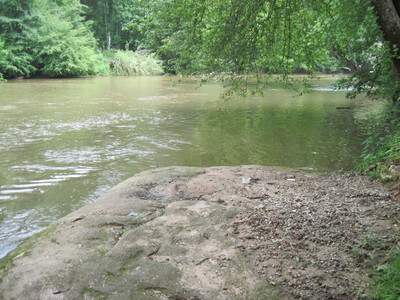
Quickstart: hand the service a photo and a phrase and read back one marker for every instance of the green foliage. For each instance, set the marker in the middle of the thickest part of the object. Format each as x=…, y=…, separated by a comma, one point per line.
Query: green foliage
x=239, y=37
x=61, y=44
x=52, y=38
x=381, y=152
x=242, y=36
x=46, y=37
x=117, y=24
x=387, y=284
x=15, y=59
x=257, y=37
x=3, y=61
x=128, y=63
x=358, y=45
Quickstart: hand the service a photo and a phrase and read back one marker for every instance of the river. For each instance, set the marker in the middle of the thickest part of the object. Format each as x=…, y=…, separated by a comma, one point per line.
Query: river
x=63, y=142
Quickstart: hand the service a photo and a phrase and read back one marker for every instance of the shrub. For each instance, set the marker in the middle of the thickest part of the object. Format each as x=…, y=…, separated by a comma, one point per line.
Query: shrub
x=381, y=154
x=128, y=63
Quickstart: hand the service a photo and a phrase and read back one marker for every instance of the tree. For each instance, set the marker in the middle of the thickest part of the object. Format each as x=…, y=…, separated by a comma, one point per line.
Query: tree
x=104, y=25
x=61, y=43
x=46, y=37
x=15, y=60
x=388, y=12
x=116, y=24
x=281, y=36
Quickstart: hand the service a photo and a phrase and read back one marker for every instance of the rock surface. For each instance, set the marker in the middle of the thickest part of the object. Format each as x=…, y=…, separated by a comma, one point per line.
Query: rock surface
x=246, y=232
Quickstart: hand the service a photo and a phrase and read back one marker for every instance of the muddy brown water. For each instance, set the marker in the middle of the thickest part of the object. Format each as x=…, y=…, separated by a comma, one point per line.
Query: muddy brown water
x=64, y=142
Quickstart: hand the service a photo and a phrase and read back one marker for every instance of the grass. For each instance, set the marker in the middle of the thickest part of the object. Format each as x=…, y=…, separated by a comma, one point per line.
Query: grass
x=387, y=282
x=123, y=230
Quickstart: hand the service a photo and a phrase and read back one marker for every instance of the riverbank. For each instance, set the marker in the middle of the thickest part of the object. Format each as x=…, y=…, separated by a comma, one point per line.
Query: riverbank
x=213, y=233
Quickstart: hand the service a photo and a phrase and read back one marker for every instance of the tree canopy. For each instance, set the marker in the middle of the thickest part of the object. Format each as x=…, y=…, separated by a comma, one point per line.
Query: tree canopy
x=278, y=36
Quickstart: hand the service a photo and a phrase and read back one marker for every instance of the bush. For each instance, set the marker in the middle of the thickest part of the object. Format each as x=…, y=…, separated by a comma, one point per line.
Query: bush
x=128, y=63
x=381, y=154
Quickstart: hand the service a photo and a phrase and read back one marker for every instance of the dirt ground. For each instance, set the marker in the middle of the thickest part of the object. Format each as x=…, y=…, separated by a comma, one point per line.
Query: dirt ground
x=247, y=232
x=317, y=236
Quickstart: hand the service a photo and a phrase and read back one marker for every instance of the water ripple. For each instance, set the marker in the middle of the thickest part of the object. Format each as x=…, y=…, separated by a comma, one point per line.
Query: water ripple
x=59, y=174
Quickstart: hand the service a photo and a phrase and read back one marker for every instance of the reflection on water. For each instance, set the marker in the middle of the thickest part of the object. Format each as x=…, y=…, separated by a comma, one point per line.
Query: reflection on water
x=64, y=142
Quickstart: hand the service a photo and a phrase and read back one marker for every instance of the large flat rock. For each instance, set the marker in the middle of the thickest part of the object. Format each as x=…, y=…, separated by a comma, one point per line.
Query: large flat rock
x=204, y=233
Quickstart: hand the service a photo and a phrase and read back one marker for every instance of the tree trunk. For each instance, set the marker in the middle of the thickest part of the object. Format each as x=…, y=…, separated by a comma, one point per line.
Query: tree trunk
x=108, y=40
x=387, y=12
x=106, y=26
